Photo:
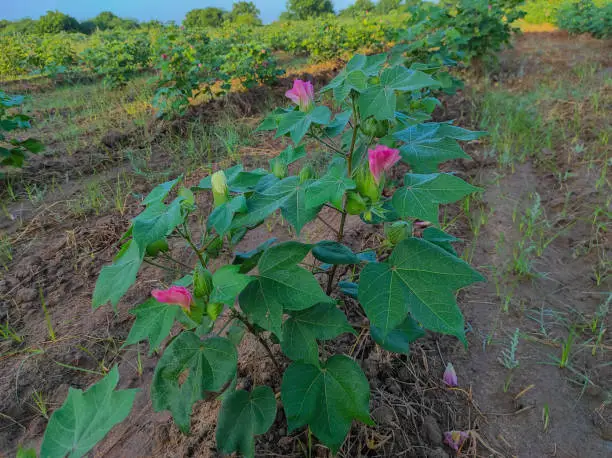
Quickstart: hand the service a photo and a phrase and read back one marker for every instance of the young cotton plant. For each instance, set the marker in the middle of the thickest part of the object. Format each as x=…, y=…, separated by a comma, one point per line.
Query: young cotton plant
x=270, y=292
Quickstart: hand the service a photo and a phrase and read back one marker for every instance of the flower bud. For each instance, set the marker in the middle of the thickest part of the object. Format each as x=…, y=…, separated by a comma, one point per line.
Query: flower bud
x=398, y=231
x=306, y=173
x=354, y=203
x=153, y=249
x=374, y=128
x=450, y=376
x=202, y=282
x=213, y=310
x=219, y=188
x=279, y=169
x=366, y=184
x=302, y=94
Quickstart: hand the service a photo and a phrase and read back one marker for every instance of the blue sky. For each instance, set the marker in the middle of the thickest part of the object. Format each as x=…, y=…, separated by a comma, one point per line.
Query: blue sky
x=144, y=10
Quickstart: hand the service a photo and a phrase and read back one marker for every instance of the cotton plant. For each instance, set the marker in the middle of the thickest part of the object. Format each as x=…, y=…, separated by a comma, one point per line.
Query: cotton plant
x=380, y=119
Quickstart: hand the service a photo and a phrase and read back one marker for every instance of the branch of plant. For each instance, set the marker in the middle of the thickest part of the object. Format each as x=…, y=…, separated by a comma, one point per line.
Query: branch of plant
x=349, y=171
x=236, y=314
x=197, y=251
x=330, y=146
x=160, y=266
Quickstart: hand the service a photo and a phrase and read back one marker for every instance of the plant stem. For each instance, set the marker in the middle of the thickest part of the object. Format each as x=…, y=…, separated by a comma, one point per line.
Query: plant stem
x=176, y=261
x=252, y=330
x=187, y=238
x=329, y=145
x=169, y=269
x=349, y=167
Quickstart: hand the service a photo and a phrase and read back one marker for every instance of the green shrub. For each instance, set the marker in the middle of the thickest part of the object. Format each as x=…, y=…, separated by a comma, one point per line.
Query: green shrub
x=117, y=56
x=13, y=150
x=584, y=16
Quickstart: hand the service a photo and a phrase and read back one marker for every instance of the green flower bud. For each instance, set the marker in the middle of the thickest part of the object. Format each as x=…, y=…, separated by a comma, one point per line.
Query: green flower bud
x=202, y=282
x=306, y=173
x=279, y=169
x=213, y=310
x=366, y=184
x=219, y=188
x=398, y=231
x=153, y=249
x=214, y=248
x=355, y=204
x=374, y=128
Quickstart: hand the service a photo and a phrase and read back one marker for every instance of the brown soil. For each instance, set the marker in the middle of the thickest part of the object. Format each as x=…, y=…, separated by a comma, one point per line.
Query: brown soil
x=60, y=257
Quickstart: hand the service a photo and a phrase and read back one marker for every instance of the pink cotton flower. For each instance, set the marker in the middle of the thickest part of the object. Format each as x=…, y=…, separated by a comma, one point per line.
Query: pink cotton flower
x=176, y=295
x=455, y=439
x=382, y=158
x=164, y=56
x=450, y=376
x=301, y=94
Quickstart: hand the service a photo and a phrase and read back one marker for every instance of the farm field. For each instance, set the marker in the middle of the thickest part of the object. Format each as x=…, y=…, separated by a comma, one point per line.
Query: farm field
x=535, y=376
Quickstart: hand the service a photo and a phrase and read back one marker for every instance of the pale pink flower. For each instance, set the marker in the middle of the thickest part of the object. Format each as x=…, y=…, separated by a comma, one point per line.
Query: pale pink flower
x=382, y=158
x=302, y=94
x=450, y=376
x=176, y=295
x=455, y=439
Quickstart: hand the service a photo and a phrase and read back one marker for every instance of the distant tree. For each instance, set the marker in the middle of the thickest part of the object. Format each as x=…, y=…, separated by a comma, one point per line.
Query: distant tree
x=23, y=26
x=244, y=13
x=359, y=7
x=204, y=17
x=305, y=9
x=386, y=6
x=55, y=22
x=105, y=20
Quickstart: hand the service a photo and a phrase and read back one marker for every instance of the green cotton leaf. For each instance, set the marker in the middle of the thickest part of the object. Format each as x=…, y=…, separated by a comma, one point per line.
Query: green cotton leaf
x=402, y=79
x=157, y=221
x=281, y=285
x=262, y=204
x=418, y=278
x=297, y=123
x=86, y=417
x=349, y=288
x=115, y=279
x=238, y=179
x=327, y=398
x=228, y=282
x=209, y=364
x=378, y=101
x=333, y=253
x=160, y=192
x=427, y=145
x=244, y=415
x=154, y=321
x=32, y=145
x=273, y=119
x=288, y=195
x=236, y=332
x=295, y=208
x=248, y=260
x=302, y=330
x=290, y=154
x=369, y=65
x=221, y=217
x=331, y=187
x=336, y=127
x=422, y=194
x=398, y=340
x=440, y=238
